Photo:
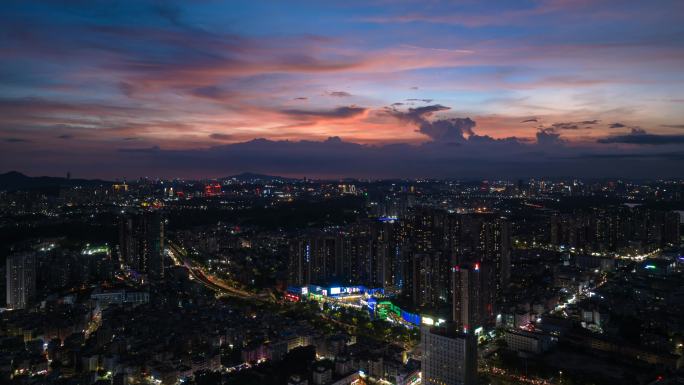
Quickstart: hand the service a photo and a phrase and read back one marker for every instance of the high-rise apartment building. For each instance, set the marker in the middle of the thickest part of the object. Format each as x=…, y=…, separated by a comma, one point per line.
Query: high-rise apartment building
x=467, y=299
x=21, y=280
x=495, y=249
x=449, y=356
x=141, y=243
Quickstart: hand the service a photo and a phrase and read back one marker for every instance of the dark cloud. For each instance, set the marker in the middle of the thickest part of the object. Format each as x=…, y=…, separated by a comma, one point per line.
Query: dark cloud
x=453, y=130
x=143, y=150
x=414, y=88
x=416, y=115
x=339, y=94
x=485, y=139
x=535, y=120
x=449, y=130
x=339, y=112
x=585, y=124
x=16, y=140
x=565, y=126
x=301, y=98
x=640, y=136
x=617, y=125
x=548, y=136
x=219, y=136
x=397, y=104
x=420, y=100
x=672, y=125
x=65, y=136
x=21, y=107
x=663, y=156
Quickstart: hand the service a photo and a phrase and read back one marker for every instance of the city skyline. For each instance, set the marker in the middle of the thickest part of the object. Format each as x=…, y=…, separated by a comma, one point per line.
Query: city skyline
x=362, y=89
x=257, y=280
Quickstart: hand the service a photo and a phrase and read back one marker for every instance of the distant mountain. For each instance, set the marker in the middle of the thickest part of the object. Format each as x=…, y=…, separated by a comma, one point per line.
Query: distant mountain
x=14, y=180
x=252, y=177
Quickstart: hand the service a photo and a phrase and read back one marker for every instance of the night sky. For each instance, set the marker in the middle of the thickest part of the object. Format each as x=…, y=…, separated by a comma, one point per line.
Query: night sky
x=460, y=89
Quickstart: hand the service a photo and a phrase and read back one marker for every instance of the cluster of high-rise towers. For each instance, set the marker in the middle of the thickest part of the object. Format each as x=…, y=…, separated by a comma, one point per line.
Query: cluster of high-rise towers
x=432, y=256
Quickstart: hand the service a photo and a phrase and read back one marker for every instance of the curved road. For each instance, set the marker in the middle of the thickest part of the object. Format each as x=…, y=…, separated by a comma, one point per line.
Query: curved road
x=180, y=258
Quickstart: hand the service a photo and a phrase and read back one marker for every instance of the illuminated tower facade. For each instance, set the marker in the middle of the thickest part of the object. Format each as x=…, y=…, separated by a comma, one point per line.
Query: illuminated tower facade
x=449, y=356
x=20, y=280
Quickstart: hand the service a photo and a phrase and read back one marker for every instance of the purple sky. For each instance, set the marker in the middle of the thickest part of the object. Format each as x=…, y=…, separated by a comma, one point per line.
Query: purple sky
x=363, y=89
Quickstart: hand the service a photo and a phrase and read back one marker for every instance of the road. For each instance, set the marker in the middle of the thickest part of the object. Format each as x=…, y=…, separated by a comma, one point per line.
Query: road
x=180, y=258
x=514, y=377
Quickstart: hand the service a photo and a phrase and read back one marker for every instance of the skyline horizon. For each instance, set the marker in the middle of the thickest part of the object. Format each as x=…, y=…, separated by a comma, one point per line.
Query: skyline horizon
x=334, y=158
x=68, y=174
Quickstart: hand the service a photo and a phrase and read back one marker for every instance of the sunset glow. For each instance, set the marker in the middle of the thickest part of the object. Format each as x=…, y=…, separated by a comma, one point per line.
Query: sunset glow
x=127, y=88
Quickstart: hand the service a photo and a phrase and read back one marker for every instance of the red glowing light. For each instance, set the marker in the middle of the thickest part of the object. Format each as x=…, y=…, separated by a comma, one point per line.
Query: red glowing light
x=212, y=189
x=291, y=297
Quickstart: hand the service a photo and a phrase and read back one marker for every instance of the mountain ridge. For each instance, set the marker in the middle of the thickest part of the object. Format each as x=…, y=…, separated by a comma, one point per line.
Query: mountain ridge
x=15, y=180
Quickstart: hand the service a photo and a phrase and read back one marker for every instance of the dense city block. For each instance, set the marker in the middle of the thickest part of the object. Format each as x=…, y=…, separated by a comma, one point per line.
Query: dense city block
x=255, y=279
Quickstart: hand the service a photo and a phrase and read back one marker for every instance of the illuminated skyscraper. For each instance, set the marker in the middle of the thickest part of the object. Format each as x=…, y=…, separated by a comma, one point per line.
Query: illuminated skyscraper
x=467, y=304
x=429, y=258
x=313, y=259
x=21, y=280
x=449, y=356
x=141, y=243
x=428, y=283
x=495, y=254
